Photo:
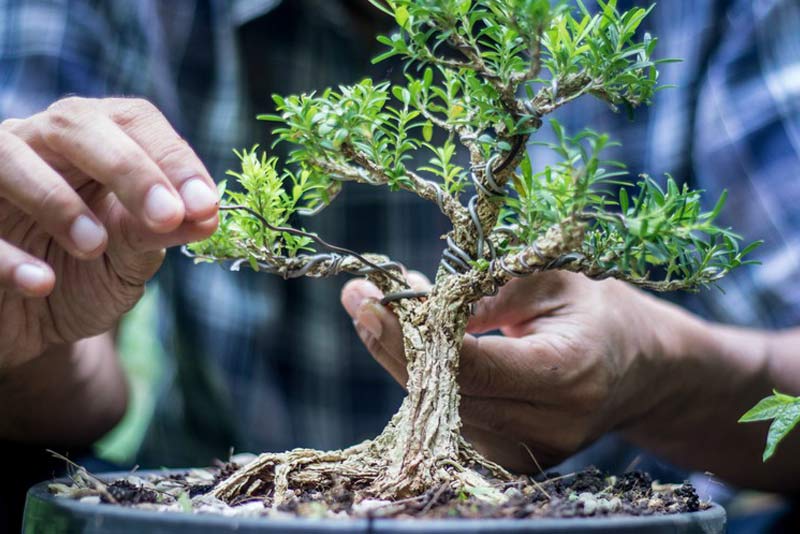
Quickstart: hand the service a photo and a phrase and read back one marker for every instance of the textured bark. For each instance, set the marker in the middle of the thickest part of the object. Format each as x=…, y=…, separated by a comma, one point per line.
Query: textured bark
x=421, y=447
x=427, y=429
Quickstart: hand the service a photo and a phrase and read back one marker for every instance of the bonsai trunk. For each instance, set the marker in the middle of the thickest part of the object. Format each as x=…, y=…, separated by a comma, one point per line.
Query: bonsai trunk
x=425, y=434
x=421, y=448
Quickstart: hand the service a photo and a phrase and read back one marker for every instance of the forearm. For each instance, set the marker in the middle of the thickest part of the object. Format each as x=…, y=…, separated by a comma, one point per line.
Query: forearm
x=712, y=374
x=71, y=394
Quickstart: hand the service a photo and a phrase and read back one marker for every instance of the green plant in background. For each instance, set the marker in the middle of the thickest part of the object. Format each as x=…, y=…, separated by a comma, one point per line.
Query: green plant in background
x=783, y=410
x=485, y=73
x=141, y=357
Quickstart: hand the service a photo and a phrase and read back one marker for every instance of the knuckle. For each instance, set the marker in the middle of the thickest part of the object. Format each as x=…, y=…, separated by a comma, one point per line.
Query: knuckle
x=59, y=203
x=176, y=150
x=68, y=106
x=125, y=111
x=64, y=114
x=123, y=164
x=10, y=125
x=143, y=105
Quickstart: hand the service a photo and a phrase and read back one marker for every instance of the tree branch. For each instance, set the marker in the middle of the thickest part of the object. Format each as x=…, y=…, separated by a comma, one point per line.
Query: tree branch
x=555, y=250
x=535, y=52
x=314, y=266
x=305, y=263
x=465, y=135
x=471, y=50
x=425, y=189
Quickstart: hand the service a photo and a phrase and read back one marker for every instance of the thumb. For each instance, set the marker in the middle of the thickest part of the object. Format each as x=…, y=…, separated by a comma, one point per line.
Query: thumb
x=136, y=252
x=520, y=301
x=376, y=326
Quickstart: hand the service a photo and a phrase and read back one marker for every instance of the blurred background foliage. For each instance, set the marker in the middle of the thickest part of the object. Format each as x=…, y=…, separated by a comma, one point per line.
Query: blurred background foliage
x=142, y=358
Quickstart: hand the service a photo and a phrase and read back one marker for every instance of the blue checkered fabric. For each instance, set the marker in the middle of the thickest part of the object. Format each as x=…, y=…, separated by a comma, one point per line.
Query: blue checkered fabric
x=258, y=363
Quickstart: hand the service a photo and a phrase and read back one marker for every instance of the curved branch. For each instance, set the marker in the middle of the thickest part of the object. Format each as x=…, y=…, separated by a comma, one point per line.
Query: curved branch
x=423, y=188
x=538, y=257
x=465, y=135
x=316, y=239
x=313, y=266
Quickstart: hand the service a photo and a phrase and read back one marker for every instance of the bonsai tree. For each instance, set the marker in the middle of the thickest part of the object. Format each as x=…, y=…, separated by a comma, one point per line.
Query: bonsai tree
x=486, y=73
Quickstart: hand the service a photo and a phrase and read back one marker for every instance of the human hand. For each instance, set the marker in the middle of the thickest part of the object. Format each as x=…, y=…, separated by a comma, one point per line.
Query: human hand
x=577, y=359
x=91, y=192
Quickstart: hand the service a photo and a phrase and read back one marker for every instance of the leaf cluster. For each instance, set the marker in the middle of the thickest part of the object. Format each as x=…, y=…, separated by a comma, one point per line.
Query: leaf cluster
x=274, y=197
x=473, y=55
x=660, y=228
x=518, y=41
x=326, y=129
x=603, y=47
x=783, y=410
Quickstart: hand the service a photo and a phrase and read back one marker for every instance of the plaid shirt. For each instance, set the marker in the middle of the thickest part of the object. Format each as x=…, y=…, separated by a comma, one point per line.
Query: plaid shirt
x=262, y=364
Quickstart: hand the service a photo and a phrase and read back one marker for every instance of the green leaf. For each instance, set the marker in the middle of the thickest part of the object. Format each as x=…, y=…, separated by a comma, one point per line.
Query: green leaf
x=719, y=205
x=623, y=200
x=427, y=78
x=780, y=428
x=768, y=408
x=784, y=410
x=339, y=137
x=185, y=502
x=401, y=16
x=751, y=247
x=427, y=131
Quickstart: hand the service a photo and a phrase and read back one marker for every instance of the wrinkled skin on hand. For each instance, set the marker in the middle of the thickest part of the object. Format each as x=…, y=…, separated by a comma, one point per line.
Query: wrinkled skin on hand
x=62, y=280
x=570, y=364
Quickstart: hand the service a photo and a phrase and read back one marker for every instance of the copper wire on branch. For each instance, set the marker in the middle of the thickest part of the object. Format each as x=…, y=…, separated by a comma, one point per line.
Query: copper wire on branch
x=455, y=259
x=316, y=239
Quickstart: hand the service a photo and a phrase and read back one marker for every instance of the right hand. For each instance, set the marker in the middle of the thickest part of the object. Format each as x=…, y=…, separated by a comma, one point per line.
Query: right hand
x=91, y=193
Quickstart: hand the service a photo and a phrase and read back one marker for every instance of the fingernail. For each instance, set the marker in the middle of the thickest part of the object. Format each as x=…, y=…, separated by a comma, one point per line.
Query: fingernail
x=160, y=205
x=87, y=234
x=31, y=277
x=368, y=320
x=198, y=197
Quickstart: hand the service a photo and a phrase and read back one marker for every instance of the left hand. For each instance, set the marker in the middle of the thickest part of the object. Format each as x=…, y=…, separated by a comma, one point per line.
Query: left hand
x=577, y=359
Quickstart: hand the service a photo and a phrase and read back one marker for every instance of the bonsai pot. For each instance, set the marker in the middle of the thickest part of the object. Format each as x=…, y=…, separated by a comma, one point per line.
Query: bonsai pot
x=46, y=513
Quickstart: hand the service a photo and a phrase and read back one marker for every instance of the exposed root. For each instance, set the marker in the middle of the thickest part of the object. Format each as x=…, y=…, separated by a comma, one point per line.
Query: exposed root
x=420, y=450
x=588, y=493
x=278, y=477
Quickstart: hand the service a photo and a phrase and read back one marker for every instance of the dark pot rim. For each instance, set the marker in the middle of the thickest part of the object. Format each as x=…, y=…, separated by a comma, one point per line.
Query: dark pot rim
x=39, y=497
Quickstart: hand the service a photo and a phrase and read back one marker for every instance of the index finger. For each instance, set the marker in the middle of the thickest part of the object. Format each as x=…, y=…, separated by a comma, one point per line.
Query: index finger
x=78, y=130
x=151, y=130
